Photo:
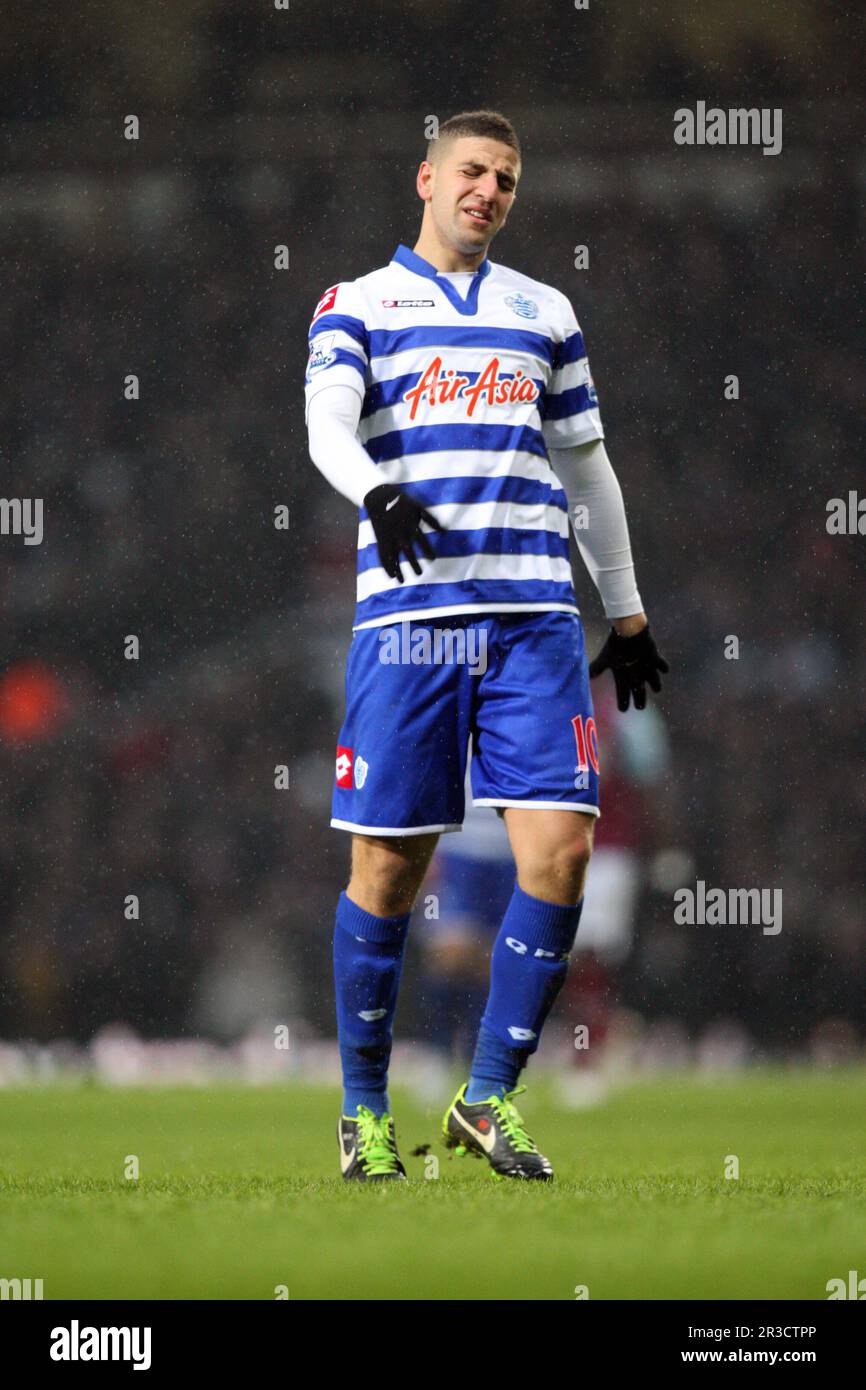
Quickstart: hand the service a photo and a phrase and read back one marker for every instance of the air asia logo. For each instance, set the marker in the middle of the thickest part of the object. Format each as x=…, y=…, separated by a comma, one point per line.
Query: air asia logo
x=344, y=766
x=438, y=387
x=407, y=303
x=326, y=302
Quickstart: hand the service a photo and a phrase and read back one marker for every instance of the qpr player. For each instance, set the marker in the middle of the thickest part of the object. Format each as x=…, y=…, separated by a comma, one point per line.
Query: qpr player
x=450, y=399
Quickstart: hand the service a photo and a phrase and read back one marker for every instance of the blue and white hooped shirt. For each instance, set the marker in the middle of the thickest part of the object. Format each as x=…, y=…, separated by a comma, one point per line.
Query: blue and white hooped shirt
x=462, y=398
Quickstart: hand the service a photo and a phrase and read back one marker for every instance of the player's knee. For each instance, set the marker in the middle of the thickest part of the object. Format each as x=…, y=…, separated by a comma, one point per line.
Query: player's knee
x=386, y=890
x=383, y=881
x=569, y=859
x=574, y=864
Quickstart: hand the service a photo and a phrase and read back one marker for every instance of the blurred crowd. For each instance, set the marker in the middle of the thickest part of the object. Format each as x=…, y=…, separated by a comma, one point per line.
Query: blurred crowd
x=155, y=868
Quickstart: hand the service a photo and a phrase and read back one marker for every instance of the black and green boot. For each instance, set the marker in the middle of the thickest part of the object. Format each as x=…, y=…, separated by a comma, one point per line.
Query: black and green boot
x=368, y=1148
x=493, y=1129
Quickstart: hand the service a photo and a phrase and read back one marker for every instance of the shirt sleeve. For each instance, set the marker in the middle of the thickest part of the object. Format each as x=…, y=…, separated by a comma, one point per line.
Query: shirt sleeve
x=571, y=415
x=339, y=353
x=332, y=422
x=598, y=520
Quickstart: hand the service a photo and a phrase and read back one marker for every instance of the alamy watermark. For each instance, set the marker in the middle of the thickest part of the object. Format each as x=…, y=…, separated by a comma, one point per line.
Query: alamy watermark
x=77, y=1343
x=717, y=907
x=22, y=516
x=434, y=646
x=854, y=1287
x=846, y=516
x=20, y=1289
x=736, y=126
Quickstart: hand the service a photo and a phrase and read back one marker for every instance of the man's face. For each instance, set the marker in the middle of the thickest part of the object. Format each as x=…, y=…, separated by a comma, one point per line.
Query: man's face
x=470, y=190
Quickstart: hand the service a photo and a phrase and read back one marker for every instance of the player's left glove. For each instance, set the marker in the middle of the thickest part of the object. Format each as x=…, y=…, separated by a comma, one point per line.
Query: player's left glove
x=635, y=663
x=396, y=519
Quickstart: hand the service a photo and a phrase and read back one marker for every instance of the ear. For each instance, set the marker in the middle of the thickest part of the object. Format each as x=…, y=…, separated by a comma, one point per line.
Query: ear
x=424, y=181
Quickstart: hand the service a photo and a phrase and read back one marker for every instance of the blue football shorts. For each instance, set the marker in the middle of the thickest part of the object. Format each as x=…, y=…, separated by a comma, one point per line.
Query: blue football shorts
x=513, y=685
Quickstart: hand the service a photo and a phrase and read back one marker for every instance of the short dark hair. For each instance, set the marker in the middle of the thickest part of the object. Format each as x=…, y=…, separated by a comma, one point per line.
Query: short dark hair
x=491, y=124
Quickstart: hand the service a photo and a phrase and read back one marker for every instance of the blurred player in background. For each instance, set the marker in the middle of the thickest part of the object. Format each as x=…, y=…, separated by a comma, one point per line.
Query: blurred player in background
x=471, y=880
x=440, y=389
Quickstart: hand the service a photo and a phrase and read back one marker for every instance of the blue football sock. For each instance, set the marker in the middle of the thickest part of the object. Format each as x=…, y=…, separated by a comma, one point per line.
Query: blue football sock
x=528, y=965
x=368, y=958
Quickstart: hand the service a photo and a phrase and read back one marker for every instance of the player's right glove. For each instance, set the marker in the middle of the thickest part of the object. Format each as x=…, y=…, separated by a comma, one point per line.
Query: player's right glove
x=635, y=663
x=396, y=519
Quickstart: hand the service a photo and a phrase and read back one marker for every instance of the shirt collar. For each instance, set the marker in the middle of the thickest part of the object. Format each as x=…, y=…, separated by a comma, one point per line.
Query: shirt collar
x=403, y=256
x=412, y=261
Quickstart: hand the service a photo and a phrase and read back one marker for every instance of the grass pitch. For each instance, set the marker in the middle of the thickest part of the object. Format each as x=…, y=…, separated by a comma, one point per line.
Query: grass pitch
x=239, y=1194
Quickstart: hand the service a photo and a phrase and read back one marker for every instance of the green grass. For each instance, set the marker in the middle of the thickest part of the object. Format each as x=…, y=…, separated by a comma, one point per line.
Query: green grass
x=237, y=1195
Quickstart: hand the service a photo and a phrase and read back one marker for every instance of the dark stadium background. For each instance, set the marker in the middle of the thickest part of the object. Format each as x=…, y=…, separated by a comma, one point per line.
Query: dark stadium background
x=156, y=257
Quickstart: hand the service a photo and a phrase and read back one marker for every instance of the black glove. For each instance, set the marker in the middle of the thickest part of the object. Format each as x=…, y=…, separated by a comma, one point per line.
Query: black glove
x=396, y=519
x=635, y=661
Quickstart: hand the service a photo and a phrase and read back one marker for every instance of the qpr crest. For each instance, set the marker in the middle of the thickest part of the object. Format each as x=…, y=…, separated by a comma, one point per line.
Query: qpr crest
x=520, y=305
x=360, y=772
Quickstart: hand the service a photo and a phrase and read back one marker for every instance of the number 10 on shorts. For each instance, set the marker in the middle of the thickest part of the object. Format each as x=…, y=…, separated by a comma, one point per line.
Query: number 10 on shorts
x=586, y=740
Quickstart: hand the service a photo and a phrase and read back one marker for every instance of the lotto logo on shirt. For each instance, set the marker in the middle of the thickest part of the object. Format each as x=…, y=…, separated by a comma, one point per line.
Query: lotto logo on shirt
x=438, y=386
x=344, y=766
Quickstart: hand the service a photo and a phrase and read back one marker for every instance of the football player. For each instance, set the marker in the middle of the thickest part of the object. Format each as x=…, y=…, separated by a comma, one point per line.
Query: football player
x=450, y=399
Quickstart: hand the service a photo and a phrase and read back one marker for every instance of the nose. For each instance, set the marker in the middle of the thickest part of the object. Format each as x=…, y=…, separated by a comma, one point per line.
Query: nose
x=487, y=187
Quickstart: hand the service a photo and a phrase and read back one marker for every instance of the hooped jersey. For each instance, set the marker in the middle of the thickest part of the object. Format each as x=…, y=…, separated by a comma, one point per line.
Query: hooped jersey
x=462, y=396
